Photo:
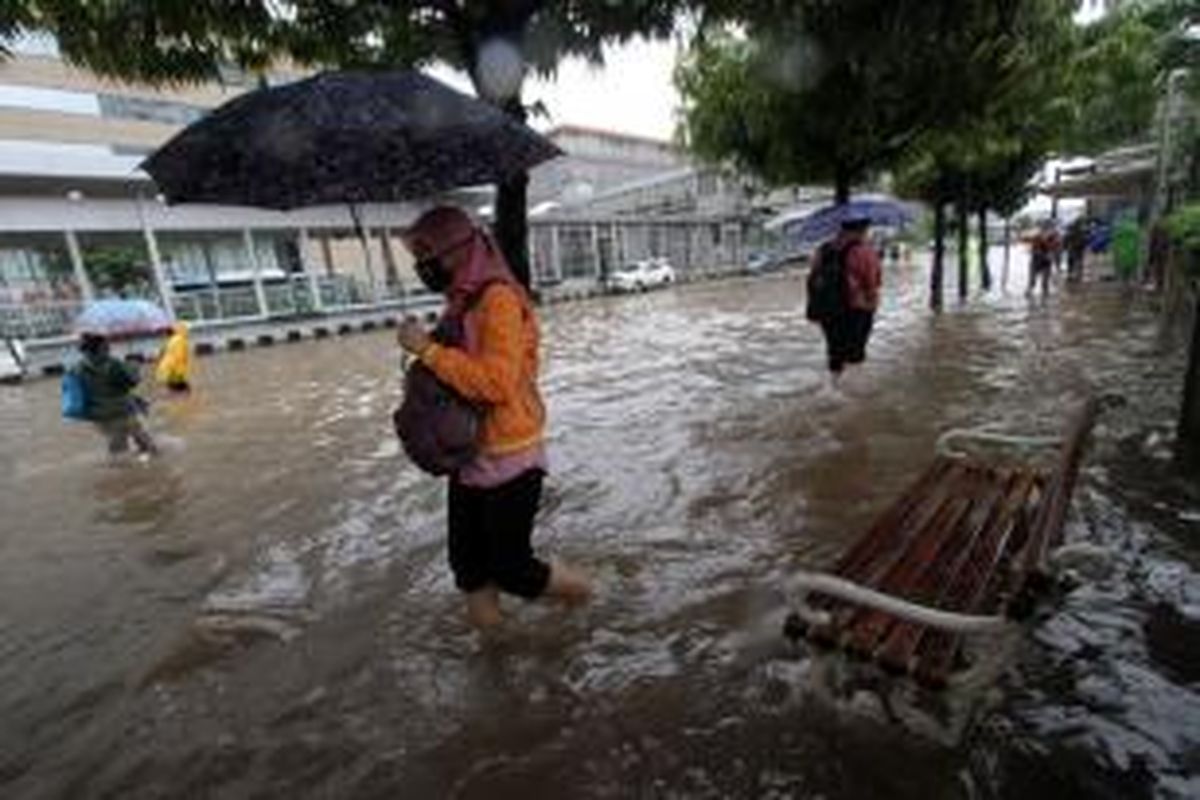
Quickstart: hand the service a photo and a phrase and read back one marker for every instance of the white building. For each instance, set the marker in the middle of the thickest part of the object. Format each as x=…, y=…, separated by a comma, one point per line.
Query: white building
x=78, y=220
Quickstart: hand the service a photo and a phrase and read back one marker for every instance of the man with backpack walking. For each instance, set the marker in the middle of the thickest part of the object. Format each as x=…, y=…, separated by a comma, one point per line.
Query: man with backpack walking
x=843, y=293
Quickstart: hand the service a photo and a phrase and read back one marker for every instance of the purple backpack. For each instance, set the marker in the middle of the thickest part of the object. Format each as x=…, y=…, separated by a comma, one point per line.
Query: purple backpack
x=437, y=426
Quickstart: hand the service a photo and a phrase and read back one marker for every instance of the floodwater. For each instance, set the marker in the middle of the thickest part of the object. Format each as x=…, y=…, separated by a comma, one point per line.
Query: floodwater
x=266, y=612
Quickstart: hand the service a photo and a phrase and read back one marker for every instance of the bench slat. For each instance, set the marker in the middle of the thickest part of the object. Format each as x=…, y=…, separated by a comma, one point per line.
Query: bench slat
x=938, y=650
x=891, y=546
x=881, y=537
x=965, y=584
x=869, y=625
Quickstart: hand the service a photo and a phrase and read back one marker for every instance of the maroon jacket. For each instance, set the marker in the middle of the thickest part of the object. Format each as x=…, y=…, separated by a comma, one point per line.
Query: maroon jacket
x=864, y=275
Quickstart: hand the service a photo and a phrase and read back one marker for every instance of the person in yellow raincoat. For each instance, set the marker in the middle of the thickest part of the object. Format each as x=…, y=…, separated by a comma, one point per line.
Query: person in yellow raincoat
x=175, y=364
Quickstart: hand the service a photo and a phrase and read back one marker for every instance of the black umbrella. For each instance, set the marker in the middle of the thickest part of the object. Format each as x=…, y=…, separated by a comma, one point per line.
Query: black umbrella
x=344, y=137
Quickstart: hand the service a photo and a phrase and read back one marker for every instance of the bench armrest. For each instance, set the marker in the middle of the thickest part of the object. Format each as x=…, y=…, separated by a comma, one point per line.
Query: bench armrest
x=848, y=591
x=946, y=442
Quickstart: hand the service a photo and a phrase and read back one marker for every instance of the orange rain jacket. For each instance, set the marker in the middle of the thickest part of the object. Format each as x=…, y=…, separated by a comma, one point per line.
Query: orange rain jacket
x=501, y=374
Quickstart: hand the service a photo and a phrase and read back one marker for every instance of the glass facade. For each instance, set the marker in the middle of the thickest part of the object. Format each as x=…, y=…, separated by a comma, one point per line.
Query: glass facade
x=118, y=265
x=35, y=268
x=576, y=251
x=39, y=296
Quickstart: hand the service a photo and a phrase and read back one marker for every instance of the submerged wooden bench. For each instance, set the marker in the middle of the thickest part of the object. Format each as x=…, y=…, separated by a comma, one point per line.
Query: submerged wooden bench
x=968, y=541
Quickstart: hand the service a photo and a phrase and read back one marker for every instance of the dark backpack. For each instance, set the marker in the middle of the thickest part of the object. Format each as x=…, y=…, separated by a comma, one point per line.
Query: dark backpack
x=827, y=293
x=437, y=426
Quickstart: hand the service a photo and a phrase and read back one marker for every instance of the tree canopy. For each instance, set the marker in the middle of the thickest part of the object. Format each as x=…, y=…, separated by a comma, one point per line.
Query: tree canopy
x=829, y=92
x=157, y=41
x=1119, y=68
x=986, y=161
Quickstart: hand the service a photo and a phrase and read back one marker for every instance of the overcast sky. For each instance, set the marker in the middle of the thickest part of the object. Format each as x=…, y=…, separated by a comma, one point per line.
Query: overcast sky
x=632, y=93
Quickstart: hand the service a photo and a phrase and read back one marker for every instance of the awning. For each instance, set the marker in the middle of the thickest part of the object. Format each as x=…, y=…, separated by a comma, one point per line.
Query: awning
x=1121, y=172
x=1133, y=179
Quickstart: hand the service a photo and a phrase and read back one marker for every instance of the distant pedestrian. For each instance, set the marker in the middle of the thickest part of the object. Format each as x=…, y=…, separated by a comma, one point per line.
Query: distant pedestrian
x=1126, y=246
x=1158, y=256
x=175, y=363
x=485, y=348
x=843, y=294
x=1042, y=249
x=111, y=404
x=1076, y=243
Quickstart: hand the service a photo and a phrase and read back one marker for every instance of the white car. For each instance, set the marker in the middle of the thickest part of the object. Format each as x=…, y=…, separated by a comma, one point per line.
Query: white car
x=642, y=275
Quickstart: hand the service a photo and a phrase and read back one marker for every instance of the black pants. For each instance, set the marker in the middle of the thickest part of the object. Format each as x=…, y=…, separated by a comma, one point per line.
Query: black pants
x=489, y=536
x=846, y=337
x=1039, y=270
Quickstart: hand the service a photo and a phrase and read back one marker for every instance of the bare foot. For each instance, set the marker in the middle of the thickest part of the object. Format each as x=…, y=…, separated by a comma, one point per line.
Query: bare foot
x=483, y=608
x=568, y=584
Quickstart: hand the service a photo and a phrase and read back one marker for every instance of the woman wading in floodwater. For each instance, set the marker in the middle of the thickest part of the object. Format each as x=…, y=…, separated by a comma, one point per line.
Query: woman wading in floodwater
x=485, y=348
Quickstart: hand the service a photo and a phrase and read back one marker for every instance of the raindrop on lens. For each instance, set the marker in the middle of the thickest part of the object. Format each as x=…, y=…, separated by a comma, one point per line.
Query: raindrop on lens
x=499, y=69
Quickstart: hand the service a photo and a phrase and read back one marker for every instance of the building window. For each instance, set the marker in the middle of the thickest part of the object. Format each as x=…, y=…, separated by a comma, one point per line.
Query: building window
x=27, y=43
x=169, y=112
x=35, y=99
x=707, y=184
x=33, y=271
x=575, y=252
x=541, y=250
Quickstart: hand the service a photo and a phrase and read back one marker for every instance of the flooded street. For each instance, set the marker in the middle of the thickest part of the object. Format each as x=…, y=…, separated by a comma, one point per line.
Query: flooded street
x=267, y=611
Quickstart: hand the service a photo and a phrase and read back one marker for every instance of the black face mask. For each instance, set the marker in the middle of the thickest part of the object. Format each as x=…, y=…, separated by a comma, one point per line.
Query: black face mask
x=433, y=273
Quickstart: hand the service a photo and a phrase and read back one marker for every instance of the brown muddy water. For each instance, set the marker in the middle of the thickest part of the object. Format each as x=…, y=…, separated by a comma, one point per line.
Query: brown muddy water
x=266, y=611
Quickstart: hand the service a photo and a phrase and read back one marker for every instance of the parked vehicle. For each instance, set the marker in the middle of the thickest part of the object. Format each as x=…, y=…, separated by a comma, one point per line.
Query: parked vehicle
x=763, y=261
x=641, y=275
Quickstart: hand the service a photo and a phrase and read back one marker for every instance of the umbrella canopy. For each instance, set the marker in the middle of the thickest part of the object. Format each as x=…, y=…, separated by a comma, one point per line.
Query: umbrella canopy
x=115, y=318
x=825, y=222
x=344, y=137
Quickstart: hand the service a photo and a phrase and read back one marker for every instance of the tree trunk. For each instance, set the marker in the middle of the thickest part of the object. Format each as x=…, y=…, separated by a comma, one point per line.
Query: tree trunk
x=511, y=224
x=511, y=227
x=1188, y=445
x=841, y=185
x=1007, y=252
x=939, y=254
x=964, y=230
x=985, y=271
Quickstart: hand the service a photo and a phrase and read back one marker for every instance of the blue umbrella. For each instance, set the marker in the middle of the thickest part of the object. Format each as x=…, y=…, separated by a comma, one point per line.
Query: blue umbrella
x=115, y=318
x=825, y=222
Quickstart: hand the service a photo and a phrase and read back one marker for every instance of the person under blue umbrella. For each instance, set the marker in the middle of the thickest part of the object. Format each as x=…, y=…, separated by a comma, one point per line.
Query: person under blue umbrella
x=110, y=403
x=843, y=293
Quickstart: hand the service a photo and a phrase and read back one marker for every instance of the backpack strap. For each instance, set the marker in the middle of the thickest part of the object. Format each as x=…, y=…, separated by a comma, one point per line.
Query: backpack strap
x=477, y=298
x=844, y=250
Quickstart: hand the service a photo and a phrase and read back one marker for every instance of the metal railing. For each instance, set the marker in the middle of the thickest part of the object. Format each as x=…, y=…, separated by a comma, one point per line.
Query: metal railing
x=48, y=319
x=339, y=291
x=293, y=296
x=225, y=302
